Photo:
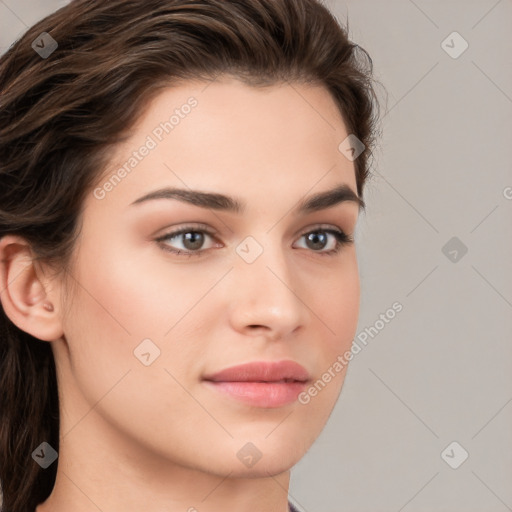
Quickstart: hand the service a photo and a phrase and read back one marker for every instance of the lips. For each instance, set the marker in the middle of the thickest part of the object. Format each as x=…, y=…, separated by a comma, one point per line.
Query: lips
x=262, y=371
x=260, y=383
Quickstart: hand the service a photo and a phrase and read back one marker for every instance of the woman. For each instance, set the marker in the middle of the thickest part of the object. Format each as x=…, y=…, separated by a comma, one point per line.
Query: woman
x=180, y=183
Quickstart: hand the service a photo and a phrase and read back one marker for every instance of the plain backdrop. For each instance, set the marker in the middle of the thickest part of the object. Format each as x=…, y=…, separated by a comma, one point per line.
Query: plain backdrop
x=424, y=419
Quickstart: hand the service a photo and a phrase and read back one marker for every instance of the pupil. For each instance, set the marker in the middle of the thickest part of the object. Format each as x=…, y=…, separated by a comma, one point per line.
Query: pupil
x=319, y=241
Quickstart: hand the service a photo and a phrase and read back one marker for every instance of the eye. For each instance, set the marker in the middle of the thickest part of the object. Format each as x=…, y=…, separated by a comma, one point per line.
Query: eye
x=190, y=241
x=320, y=239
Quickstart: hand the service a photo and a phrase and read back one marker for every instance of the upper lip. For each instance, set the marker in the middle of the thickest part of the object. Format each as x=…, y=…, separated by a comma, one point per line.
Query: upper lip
x=261, y=371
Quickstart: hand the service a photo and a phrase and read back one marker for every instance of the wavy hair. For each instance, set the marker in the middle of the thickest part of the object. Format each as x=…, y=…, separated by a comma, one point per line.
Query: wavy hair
x=62, y=114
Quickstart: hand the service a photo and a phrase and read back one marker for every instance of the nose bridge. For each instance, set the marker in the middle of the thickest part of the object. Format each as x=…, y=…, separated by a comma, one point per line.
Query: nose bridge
x=264, y=261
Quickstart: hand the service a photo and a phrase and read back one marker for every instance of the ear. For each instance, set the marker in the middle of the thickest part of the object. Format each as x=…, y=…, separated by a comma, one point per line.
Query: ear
x=29, y=299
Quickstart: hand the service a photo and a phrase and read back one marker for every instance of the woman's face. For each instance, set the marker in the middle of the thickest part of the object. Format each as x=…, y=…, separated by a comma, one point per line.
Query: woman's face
x=146, y=325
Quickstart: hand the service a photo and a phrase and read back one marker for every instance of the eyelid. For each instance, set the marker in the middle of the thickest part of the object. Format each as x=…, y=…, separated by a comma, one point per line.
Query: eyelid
x=198, y=226
x=321, y=227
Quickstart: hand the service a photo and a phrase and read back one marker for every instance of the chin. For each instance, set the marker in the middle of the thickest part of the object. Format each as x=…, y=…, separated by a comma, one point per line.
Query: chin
x=264, y=469
x=272, y=456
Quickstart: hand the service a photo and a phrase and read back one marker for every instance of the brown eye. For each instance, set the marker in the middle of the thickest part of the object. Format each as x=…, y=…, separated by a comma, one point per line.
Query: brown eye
x=319, y=239
x=185, y=241
x=192, y=240
x=316, y=240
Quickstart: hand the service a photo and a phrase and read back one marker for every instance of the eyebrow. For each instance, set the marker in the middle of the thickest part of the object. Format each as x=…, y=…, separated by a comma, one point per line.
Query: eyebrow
x=221, y=202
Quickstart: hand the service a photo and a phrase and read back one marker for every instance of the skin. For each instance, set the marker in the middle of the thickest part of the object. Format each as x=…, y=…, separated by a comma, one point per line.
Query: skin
x=136, y=437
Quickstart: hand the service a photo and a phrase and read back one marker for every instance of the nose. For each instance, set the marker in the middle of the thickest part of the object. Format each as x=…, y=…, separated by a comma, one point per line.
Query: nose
x=267, y=299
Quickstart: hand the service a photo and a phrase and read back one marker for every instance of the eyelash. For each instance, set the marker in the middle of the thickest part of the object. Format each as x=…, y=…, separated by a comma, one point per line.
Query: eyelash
x=342, y=239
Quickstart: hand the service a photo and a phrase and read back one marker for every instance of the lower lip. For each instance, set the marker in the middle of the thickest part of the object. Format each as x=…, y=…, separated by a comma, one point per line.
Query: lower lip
x=261, y=394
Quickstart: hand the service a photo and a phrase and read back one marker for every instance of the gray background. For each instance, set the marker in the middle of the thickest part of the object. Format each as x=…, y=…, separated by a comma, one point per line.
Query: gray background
x=440, y=371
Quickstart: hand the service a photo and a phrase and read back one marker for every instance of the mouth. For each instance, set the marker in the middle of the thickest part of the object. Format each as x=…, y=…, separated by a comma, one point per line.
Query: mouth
x=260, y=383
x=262, y=371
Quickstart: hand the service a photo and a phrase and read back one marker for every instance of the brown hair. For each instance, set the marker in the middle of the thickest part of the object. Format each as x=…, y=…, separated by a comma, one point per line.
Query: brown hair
x=61, y=115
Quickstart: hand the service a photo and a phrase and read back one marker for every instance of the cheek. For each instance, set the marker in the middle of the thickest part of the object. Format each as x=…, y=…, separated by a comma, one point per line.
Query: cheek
x=338, y=306
x=118, y=305
x=336, y=310
x=129, y=298
x=111, y=313
x=129, y=295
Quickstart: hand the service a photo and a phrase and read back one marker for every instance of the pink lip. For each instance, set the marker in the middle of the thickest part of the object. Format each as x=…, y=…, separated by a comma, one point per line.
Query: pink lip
x=261, y=371
x=260, y=383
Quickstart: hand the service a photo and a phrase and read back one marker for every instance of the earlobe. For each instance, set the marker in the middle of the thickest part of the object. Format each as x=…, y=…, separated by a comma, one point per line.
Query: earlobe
x=28, y=301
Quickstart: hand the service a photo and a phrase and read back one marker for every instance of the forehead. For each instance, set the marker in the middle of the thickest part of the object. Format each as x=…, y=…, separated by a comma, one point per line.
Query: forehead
x=236, y=139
